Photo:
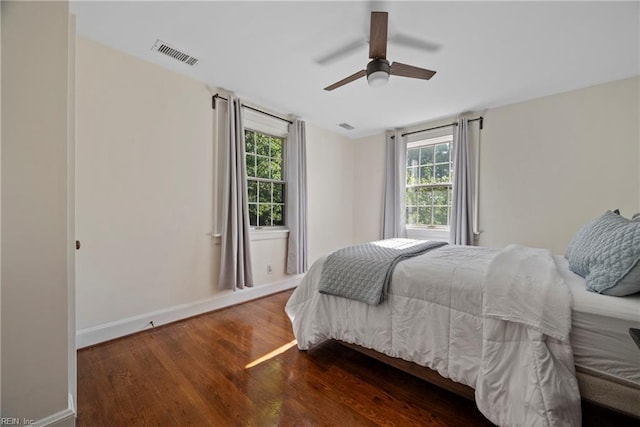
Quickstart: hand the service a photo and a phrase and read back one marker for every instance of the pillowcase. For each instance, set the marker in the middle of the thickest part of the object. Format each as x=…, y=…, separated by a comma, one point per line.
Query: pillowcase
x=567, y=252
x=606, y=252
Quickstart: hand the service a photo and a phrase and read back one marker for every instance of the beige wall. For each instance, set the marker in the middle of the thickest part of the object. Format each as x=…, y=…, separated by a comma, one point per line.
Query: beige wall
x=551, y=164
x=547, y=166
x=147, y=171
x=265, y=253
x=34, y=210
x=330, y=160
x=0, y=209
x=144, y=187
x=368, y=183
x=71, y=217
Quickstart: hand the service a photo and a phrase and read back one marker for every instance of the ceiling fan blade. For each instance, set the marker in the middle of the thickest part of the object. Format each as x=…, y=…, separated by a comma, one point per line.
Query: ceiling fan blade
x=404, y=70
x=413, y=42
x=349, y=79
x=378, y=35
x=341, y=52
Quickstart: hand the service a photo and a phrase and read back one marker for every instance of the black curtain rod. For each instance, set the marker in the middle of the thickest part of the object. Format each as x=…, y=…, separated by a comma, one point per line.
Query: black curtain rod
x=477, y=119
x=250, y=108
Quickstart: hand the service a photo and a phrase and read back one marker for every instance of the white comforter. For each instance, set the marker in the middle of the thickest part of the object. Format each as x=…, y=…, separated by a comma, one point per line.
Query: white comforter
x=521, y=366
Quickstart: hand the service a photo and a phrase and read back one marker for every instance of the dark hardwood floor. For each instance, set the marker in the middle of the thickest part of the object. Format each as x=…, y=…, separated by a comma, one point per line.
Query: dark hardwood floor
x=239, y=367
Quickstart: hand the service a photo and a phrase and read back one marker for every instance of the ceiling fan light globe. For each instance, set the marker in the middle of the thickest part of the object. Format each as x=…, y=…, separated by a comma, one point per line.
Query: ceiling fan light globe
x=378, y=78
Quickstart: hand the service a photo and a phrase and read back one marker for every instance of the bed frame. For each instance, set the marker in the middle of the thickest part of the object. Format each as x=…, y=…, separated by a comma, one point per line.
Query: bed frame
x=614, y=395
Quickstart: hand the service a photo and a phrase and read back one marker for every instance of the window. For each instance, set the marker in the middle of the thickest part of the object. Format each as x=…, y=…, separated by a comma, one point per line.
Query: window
x=428, y=192
x=265, y=183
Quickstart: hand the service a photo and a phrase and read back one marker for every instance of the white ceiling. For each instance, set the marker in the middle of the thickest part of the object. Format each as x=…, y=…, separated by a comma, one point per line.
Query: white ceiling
x=490, y=53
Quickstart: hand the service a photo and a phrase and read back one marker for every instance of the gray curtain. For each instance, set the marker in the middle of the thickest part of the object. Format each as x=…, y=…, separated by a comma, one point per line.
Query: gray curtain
x=235, y=259
x=296, y=211
x=461, y=223
x=393, y=219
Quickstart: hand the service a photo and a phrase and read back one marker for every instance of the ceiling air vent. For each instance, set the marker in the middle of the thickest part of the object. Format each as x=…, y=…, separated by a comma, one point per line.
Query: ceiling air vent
x=346, y=126
x=162, y=47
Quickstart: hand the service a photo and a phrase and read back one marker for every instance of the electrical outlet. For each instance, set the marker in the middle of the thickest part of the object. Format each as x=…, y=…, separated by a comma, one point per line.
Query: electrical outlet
x=269, y=269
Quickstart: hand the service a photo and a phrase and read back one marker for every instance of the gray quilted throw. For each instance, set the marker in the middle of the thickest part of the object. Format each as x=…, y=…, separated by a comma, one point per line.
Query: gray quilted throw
x=363, y=272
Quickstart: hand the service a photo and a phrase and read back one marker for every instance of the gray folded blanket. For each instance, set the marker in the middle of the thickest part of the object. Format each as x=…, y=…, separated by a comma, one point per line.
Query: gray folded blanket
x=363, y=272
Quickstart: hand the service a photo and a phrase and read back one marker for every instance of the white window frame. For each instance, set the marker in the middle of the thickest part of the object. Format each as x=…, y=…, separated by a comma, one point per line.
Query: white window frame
x=428, y=232
x=256, y=122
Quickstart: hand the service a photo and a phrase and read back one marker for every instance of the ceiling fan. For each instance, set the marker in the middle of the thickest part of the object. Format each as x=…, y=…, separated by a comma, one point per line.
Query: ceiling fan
x=379, y=69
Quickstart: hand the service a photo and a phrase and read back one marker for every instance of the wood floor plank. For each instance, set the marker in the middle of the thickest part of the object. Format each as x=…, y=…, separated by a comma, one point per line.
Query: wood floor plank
x=238, y=367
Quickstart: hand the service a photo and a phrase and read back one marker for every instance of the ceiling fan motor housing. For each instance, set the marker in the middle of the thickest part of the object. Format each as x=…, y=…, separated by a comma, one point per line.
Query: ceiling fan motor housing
x=378, y=64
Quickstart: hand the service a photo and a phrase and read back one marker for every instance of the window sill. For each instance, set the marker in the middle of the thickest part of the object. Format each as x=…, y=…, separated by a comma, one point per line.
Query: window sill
x=257, y=234
x=269, y=233
x=421, y=233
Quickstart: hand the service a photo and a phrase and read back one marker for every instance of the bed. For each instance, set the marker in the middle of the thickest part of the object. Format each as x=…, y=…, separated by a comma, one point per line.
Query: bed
x=606, y=358
x=435, y=318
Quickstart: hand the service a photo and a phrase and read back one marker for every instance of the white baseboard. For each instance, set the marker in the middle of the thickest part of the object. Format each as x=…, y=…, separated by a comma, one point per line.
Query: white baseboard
x=131, y=325
x=66, y=417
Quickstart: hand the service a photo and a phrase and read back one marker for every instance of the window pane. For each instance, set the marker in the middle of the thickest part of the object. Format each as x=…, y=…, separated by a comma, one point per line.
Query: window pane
x=276, y=148
x=424, y=216
x=276, y=170
x=262, y=144
x=426, y=154
x=413, y=156
x=265, y=163
x=251, y=165
x=427, y=204
x=278, y=214
x=252, y=191
x=424, y=197
x=264, y=214
x=253, y=214
x=440, y=216
x=278, y=193
x=440, y=196
x=411, y=197
x=442, y=173
x=248, y=141
x=412, y=216
x=426, y=175
x=264, y=192
x=412, y=176
x=262, y=167
x=442, y=152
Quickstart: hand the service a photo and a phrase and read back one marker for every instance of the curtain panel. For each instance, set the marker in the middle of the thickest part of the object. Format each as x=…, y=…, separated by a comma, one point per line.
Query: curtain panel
x=296, y=208
x=394, y=217
x=235, y=259
x=461, y=221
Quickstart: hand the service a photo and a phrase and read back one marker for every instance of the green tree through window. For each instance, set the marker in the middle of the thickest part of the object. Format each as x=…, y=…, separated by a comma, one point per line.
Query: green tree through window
x=428, y=191
x=265, y=180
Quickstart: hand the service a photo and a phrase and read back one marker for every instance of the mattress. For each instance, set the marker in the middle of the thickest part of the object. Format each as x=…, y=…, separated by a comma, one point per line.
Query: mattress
x=600, y=331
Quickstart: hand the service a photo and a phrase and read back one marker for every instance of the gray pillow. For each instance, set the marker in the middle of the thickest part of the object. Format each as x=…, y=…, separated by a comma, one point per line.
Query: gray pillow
x=567, y=252
x=606, y=252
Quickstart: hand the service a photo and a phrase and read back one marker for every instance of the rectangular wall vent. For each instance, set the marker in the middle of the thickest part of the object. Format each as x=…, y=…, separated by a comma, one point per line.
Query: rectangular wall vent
x=346, y=126
x=163, y=47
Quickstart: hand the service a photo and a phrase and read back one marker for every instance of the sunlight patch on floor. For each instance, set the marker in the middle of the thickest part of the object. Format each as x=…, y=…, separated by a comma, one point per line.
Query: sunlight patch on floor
x=272, y=354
